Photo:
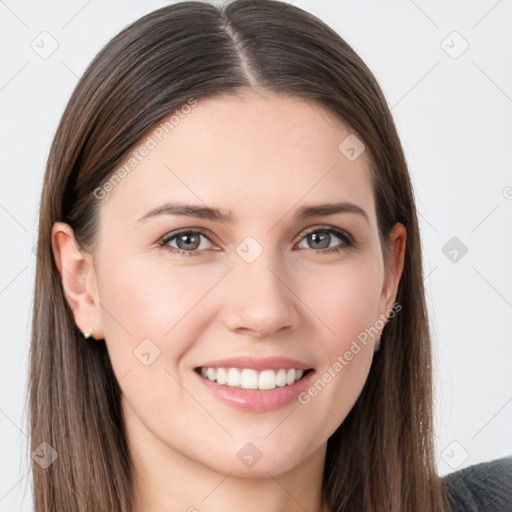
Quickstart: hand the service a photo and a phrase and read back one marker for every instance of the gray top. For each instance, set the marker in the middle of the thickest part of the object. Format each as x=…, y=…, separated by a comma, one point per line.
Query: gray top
x=484, y=487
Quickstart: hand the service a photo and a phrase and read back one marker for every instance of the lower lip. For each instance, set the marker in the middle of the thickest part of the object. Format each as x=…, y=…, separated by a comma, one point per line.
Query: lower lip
x=257, y=400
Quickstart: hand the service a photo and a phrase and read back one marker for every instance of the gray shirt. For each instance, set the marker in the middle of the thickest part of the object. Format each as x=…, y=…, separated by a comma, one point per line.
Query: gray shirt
x=484, y=487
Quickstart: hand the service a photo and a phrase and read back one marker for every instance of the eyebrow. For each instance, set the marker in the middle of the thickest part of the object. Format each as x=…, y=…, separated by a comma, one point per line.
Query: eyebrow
x=217, y=215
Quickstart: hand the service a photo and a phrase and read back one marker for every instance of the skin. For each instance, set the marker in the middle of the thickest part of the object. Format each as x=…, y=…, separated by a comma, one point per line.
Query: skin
x=230, y=152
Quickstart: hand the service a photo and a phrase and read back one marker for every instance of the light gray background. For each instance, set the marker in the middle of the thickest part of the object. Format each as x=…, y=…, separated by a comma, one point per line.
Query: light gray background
x=454, y=119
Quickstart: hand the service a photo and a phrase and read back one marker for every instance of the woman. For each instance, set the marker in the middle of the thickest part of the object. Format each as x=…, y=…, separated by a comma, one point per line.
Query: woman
x=286, y=365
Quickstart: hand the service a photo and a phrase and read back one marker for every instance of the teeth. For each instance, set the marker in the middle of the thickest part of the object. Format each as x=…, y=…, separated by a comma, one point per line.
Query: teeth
x=267, y=380
x=281, y=377
x=248, y=378
x=234, y=378
x=222, y=376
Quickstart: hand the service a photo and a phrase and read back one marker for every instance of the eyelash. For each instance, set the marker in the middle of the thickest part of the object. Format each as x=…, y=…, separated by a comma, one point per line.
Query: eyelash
x=341, y=234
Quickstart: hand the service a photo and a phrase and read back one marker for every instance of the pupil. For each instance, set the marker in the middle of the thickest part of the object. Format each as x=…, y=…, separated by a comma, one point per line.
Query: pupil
x=324, y=242
x=186, y=238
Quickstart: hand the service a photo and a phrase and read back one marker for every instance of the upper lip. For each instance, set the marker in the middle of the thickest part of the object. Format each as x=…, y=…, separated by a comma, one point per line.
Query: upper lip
x=256, y=363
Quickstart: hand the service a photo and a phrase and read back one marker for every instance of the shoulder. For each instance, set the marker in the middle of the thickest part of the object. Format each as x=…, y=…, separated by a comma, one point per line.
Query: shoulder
x=483, y=487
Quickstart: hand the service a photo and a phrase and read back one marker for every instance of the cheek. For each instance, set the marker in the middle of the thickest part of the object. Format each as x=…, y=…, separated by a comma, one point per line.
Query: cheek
x=345, y=299
x=347, y=306
x=147, y=298
x=149, y=312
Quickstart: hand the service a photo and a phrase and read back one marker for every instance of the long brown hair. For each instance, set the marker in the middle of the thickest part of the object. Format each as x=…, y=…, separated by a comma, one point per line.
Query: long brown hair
x=381, y=458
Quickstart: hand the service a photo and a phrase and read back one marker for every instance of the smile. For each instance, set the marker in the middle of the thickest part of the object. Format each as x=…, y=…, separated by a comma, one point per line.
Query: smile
x=248, y=378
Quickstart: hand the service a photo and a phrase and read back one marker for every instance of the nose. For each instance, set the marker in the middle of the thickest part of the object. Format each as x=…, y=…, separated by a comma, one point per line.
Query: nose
x=259, y=298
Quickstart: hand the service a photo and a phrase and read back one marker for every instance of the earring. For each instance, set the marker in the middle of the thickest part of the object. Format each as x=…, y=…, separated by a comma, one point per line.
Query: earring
x=87, y=334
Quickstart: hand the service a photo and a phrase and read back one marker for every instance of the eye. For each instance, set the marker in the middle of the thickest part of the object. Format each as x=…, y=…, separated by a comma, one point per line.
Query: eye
x=321, y=238
x=188, y=242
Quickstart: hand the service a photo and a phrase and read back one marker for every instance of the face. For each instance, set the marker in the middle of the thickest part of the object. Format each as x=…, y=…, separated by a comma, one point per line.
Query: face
x=266, y=288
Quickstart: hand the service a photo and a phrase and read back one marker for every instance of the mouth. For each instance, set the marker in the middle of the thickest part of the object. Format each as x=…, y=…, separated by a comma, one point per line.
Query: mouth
x=252, y=379
x=255, y=384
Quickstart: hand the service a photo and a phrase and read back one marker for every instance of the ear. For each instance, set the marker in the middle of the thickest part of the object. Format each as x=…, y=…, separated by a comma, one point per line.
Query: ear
x=78, y=279
x=393, y=268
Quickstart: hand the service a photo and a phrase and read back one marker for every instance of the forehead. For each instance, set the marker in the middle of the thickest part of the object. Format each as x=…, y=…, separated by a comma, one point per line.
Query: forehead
x=243, y=152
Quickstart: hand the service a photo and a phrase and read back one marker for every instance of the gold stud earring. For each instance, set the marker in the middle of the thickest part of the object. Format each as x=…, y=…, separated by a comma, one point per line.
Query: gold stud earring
x=87, y=334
